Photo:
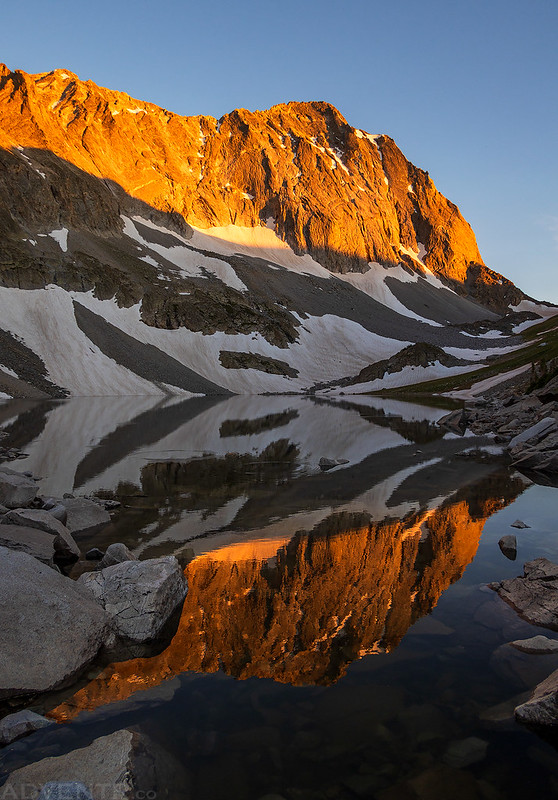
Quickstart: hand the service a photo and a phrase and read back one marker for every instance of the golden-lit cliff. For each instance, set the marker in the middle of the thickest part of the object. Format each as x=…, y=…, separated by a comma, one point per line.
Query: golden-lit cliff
x=344, y=196
x=346, y=589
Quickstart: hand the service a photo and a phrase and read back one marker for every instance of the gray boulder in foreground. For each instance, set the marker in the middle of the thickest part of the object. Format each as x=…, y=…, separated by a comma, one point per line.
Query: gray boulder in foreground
x=542, y=708
x=50, y=630
x=121, y=766
x=16, y=490
x=116, y=553
x=22, y=723
x=535, y=595
x=34, y=542
x=64, y=543
x=138, y=596
x=84, y=515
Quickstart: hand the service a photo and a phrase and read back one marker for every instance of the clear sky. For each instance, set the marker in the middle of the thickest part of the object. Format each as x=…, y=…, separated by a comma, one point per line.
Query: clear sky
x=467, y=88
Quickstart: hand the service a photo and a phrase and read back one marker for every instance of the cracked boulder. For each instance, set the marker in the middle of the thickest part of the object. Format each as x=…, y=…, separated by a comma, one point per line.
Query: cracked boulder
x=138, y=596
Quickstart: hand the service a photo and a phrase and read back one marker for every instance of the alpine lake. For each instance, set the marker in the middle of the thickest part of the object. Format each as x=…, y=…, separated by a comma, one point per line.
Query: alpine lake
x=338, y=638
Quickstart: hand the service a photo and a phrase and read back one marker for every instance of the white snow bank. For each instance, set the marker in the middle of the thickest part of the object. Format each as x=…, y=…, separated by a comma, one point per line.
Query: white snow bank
x=408, y=376
x=8, y=371
x=260, y=242
x=541, y=309
x=190, y=263
x=373, y=284
x=61, y=236
x=44, y=320
x=482, y=386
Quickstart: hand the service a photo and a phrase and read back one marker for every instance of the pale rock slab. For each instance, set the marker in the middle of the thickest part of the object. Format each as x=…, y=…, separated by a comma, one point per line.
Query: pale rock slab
x=50, y=630
x=16, y=490
x=32, y=541
x=84, y=515
x=138, y=596
x=64, y=543
x=121, y=766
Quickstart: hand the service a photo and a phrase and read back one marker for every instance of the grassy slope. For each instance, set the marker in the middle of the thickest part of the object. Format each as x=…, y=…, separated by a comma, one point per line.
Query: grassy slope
x=540, y=343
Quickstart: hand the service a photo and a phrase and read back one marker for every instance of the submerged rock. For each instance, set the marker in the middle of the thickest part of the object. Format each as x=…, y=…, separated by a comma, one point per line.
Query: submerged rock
x=22, y=723
x=65, y=790
x=139, y=596
x=519, y=524
x=464, y=752
x=50, y=629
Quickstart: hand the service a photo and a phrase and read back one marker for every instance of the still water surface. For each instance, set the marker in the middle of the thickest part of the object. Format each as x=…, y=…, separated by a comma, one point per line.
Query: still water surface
x=338, y=639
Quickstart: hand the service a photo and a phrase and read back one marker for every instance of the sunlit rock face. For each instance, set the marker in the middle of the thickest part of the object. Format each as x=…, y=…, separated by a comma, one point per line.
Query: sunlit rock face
x=344, y=196
x=301, y=613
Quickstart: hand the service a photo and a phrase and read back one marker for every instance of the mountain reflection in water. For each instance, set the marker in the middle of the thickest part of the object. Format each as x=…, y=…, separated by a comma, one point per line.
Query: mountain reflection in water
x=301, y=612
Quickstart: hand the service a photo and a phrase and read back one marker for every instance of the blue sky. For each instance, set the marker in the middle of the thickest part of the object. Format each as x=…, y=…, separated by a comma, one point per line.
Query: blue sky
x=467, y=89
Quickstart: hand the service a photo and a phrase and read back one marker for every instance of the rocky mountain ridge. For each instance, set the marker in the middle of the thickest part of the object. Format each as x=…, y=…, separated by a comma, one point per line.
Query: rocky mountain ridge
x=230, y=233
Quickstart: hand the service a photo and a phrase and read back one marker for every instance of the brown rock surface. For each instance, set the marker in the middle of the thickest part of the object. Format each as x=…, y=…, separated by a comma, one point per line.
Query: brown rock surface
x=70, y=148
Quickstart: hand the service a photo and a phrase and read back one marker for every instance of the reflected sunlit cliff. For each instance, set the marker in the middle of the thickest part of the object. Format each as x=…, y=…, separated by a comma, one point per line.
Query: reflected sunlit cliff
x=300, y=612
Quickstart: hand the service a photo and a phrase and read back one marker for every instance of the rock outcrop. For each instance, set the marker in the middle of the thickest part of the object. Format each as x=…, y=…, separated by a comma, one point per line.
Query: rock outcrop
x=416, y=355
x=343, y=195
x=534, y=595
x=251, y=224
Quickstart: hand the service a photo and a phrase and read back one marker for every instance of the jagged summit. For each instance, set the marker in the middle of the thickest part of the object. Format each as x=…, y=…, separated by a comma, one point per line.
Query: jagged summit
x=286, y=227
x=344, y=196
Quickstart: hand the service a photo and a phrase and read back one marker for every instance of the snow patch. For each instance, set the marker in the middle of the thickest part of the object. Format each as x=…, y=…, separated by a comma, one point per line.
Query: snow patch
x=60, y=236
x=482, y=386
x=8, y=371
x=150, y=261
x=542, y=309
x=373, y=284
x=261, y=242
x=190, y=263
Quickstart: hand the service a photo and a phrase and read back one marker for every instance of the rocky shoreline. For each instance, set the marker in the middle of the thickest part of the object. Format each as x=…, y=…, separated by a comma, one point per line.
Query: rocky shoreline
x=522, y=417
x=120, y=605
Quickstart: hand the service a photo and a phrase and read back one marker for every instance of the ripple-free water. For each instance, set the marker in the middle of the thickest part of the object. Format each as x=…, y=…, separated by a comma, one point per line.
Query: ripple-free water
x=338, y=639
